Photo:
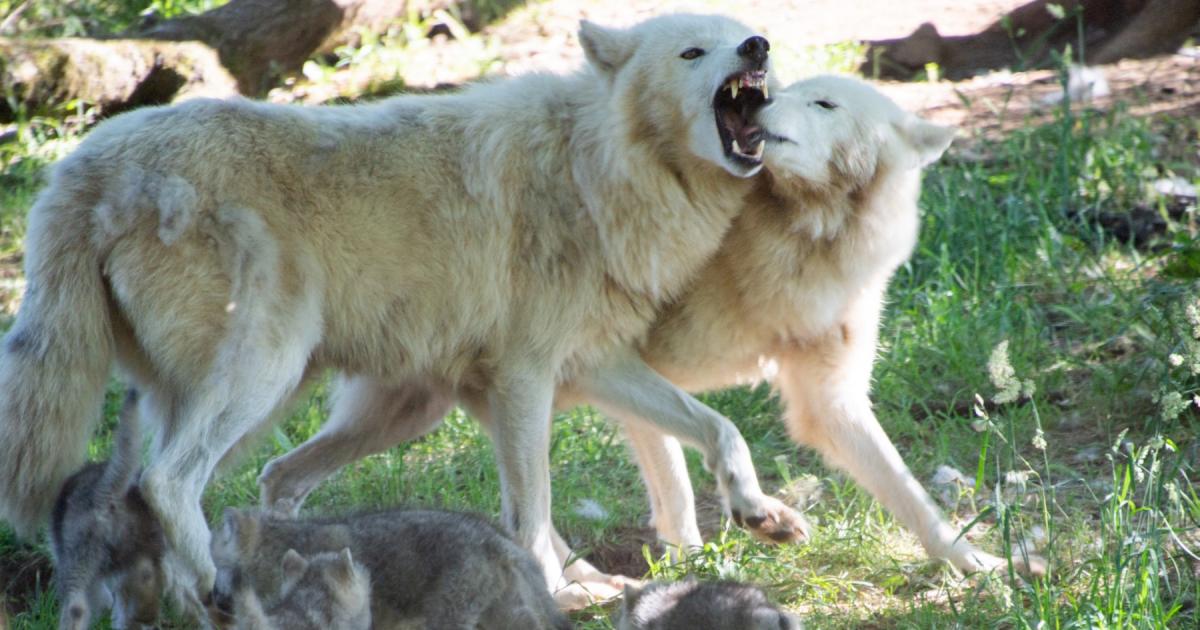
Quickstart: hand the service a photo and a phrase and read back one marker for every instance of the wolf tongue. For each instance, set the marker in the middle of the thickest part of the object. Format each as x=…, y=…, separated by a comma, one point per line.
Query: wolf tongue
x=747, y=136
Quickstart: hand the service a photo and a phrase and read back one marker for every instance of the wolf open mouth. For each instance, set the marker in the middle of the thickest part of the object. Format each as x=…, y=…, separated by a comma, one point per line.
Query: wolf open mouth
x=735, y=103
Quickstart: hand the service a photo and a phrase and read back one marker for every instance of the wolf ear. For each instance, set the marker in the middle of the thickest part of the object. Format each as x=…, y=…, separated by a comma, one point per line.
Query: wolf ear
x=607, y=49
x=345, y=565
x=926, y=138
x=293, y=565
x=243, y=527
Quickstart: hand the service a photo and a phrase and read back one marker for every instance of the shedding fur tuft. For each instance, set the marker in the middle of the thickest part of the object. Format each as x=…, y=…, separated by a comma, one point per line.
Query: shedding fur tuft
x=177, y=205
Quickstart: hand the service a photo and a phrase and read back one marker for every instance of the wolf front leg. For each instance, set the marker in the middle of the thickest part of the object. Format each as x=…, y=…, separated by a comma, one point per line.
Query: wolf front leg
x=625, y=387
x=576, y=583
x=825, y=388
x=517, y=409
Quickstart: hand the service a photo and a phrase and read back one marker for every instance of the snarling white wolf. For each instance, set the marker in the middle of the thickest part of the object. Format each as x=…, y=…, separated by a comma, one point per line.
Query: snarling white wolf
x=486, y=244
x=794, y=294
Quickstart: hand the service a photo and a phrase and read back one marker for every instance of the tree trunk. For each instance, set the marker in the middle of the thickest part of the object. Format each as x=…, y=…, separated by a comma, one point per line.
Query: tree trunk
x=258, y=40
x=113, y=75
x=243, y=46
x=1026, y=37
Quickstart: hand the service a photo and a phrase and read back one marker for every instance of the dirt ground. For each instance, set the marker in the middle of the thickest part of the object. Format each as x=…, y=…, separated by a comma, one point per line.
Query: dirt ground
x=546, y=41
x=541, y=36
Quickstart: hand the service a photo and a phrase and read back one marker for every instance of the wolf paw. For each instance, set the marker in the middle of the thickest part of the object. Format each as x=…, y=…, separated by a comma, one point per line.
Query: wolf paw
x=276, y=495
x=773, y=522
x=580, y=595
x=968, y=559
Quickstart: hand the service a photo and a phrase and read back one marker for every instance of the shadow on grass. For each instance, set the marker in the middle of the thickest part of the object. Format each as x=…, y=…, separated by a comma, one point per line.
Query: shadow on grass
x=25, y=572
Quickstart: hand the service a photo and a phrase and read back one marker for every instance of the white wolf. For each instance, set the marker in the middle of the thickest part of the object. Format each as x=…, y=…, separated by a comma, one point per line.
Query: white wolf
x=484, y=244
x=797, y=286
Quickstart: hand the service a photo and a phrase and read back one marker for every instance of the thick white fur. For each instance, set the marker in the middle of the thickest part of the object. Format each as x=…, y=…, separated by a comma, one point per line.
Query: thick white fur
x=489, y=243
x=798, y=284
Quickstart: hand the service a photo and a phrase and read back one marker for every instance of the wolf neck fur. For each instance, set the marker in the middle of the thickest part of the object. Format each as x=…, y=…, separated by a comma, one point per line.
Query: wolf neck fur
x=648, y=256
x=847, y=233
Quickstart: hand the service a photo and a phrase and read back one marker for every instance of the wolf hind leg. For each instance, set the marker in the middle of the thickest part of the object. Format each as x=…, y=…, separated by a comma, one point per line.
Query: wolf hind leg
x=247, y=384
x=368, y=417
x=664, y=471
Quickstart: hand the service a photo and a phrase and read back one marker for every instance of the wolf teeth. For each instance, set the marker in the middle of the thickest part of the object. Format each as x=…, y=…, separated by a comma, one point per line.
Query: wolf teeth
x=737, y=149
x=758, y=151
x=747, y=81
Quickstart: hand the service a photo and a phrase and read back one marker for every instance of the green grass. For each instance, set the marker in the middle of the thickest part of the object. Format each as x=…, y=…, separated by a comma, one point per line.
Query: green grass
x=1100, y=335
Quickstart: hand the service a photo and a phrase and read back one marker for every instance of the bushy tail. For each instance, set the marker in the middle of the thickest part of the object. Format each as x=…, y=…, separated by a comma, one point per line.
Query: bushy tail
x=54, y=364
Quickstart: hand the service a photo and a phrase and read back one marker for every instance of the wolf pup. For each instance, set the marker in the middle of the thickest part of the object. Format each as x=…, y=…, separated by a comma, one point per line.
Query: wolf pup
x=498, y=240
x=450, y=570
x=329, y=591
x=694, y=605
x=108, y=547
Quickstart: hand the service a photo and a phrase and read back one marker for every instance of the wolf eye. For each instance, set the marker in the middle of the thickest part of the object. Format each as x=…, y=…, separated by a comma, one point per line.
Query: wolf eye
x=692, y=53
x=826, y=104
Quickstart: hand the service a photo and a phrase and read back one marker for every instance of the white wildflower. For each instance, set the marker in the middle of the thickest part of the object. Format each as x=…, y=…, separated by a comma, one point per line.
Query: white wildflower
x=1172, y=493
x=1003, y=376
x=1172, y=404
x=1018, y=478
x=1039, y=440
x=1192, y=312
x=1175, y=359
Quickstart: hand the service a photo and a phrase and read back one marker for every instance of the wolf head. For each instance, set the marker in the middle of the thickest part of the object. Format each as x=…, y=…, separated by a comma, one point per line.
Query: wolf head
x=331, y=587
x=687, y=77
x=330, y=582
x=237, y=538
x=335, y=575
x=108, y=546
x=840, y=132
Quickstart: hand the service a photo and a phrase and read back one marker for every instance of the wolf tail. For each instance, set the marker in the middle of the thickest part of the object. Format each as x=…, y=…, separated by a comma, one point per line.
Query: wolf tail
x=54, y=362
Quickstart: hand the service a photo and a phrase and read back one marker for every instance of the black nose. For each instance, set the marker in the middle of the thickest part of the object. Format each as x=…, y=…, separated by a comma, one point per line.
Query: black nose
x=755, y=49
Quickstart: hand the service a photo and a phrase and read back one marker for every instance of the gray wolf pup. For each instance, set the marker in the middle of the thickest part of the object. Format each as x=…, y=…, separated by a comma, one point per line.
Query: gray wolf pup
x=450, y=570
x=108, y=547
x=329, y=591
x=488, y=244
x=694, y=605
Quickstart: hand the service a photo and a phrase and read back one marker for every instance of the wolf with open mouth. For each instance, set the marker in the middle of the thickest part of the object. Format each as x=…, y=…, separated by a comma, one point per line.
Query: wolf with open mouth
x=484, y=245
